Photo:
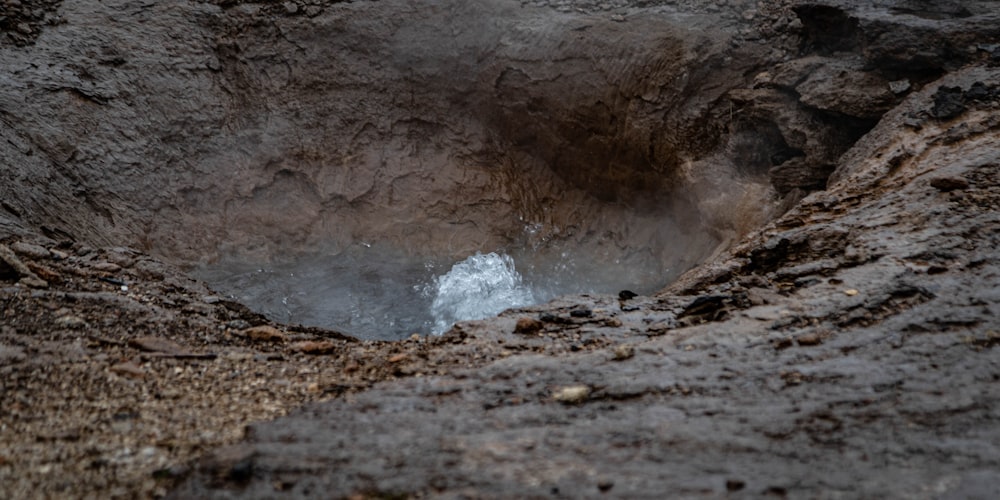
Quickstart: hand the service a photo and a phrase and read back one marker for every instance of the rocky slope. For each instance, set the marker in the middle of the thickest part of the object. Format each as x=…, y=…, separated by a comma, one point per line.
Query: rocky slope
x=846, y=348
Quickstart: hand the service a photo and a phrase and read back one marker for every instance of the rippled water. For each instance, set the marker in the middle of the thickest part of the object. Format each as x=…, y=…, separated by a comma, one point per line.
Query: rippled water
x=381, y=293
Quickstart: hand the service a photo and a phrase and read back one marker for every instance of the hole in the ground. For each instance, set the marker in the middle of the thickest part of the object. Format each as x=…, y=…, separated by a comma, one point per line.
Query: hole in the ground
x=441, y=175
x=387, y=171
x=550, y=239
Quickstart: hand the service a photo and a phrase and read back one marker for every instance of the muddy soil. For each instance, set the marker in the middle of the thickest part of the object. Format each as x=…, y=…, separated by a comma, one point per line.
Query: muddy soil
x=845, y=348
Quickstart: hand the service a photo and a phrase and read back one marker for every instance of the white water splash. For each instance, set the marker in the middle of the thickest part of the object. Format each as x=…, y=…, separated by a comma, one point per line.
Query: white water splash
x=476, y=288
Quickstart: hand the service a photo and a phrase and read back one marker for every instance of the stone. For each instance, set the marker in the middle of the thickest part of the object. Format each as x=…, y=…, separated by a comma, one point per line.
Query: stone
x=605, y=484
x=70, y=321
x=809, y=339
x=899, y=87
x=30, y=250
x=264, y=333
x=948, y=103
x=315, y=347
x=572, y=395
x=527, y=326
x=157, y=344
x=623, y=352
x=128, y=369
x=107, y=267
x=12, y=268
x=949, y=183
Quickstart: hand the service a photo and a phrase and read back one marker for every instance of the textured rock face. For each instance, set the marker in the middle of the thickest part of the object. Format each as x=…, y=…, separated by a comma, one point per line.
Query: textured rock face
x=194, y=130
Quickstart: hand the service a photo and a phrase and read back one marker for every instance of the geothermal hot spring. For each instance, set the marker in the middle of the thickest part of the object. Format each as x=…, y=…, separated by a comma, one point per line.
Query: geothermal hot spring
x=375, y=292
x=385, y=177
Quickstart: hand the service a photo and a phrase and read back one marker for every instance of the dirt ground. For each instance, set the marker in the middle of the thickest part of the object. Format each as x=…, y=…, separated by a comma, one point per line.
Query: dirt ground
x=845, y=349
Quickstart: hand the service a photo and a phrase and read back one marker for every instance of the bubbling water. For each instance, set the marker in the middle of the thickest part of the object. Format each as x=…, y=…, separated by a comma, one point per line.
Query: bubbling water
x=478, y=287
x=380, y=292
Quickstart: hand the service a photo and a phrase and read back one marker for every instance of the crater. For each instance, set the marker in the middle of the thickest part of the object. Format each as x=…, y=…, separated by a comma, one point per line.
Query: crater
x=333, y=169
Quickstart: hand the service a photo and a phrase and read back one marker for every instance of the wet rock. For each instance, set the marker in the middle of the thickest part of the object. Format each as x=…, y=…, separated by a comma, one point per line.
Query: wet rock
x=528, y=326
x=581, y=313
x=810, y=339
x=948, y=103
x=844, y=88
x=264, y=333
x=951, y=183
x=708, y=306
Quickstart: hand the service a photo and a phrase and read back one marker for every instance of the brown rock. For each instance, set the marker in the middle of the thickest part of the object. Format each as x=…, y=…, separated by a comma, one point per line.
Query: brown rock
x=107, y=267
x=623, y=352
x=264, y=333
x=809, y=339
x=129, y=369
x=70, y=321
x=396, y=358
x=315, y=347
x=30, y=250
x=947, y=184
x=11, y=267
x=527, y=326
x=157, y=344
x=44, y=273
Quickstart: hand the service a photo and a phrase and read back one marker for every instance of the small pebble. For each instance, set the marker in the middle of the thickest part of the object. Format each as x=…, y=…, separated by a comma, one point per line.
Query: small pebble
x=809, y=339
x=70, y=321
x=315, y=347
x=527, y=326
x=264, y=333
x=572, y=395
x=623, y=352
x=947, y=184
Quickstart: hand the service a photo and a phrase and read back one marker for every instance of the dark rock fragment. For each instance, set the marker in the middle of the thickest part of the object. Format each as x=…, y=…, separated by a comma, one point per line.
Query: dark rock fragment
x=709, y=307
x=948, y=103
x=527, y=326
x=947, y=184
x=978, y=92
